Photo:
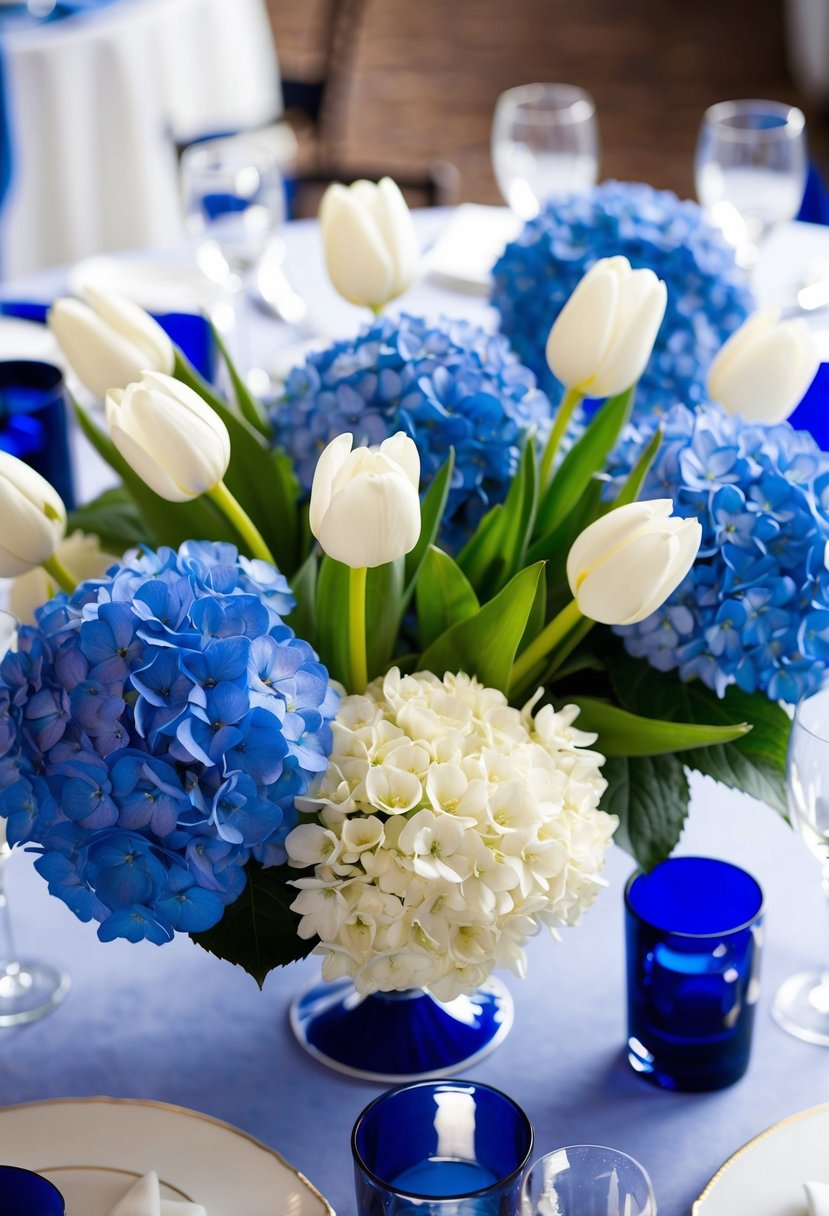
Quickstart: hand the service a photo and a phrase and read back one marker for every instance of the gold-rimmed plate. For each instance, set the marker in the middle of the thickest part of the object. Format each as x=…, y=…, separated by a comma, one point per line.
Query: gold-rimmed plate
x=93, y=1149
x=766, y=1176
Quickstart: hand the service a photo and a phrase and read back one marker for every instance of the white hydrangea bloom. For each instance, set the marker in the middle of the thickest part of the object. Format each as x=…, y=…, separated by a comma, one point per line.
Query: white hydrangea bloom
x=447, y=829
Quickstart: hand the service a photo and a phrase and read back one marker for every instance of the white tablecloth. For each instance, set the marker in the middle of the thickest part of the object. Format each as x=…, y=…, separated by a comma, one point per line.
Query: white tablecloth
x=96, y=104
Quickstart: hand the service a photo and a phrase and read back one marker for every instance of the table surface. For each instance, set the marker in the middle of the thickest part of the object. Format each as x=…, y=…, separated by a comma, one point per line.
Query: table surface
x=177, y=1025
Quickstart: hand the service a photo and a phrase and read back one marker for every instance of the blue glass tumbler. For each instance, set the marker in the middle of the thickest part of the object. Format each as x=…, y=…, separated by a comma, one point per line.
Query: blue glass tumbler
x=33, y=421
x=23, y=1193
x=694, y=936
x=441, y=1148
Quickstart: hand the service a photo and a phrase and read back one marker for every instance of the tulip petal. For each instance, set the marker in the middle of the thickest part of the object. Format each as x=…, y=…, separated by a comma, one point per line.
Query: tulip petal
x=359, y=265
x=331, y=460
x=764, y=384
x=609, y=532
x=147, y=468
x=29, y=535
x=403, y=451
x=756, y=327
x=136, y=326
x=583, y=328
x=627, y=585
x=372, y=521
x=398, y=231
x=630, y=348
x=100, y=358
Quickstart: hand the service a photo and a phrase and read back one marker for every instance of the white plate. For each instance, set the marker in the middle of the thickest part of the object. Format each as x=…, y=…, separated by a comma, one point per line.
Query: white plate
x=27, y=340
x=157, y=286
x=766, y=1176
x=93, y=1149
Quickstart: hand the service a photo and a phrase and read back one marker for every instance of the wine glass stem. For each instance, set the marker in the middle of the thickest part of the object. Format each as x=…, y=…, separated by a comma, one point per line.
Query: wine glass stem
x=8, y=951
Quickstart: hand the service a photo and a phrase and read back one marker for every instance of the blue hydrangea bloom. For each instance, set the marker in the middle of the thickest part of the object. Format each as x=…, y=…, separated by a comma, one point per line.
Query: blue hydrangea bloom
x=707, y=295
x=155, y=729
x=444, y=384
x=754, y=609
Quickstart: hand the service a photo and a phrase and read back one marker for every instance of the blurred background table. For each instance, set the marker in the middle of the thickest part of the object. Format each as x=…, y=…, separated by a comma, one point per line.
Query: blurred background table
x=97, y=104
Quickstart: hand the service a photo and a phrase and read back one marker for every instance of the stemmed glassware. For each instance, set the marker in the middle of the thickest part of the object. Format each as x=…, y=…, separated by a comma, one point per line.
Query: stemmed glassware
x=234, y=207
x=28, y=989
x=587, y=1178
x=545, y=143
x=801, y=1005
x=750, y=169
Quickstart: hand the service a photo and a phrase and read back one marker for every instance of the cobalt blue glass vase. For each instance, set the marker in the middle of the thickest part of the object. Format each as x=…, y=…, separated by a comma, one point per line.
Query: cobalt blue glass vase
x=24, y=1193
x=395, y=1036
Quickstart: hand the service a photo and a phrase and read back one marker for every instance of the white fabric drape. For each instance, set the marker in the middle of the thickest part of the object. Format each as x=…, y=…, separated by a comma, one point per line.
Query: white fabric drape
x=96, y=104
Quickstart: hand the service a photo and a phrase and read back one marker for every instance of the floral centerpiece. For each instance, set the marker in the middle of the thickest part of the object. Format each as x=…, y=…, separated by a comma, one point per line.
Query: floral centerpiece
x=302, y=712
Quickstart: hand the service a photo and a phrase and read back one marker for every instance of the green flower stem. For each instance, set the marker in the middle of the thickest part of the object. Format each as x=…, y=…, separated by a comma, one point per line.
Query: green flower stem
x=565, y=412
x=570, y=643
x=241, y=521
x=59, y=574
x=357, y=629
x=552, y=635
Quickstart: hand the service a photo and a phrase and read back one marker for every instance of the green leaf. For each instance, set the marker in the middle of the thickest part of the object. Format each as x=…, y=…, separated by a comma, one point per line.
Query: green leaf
x=444, y=596
x=586, y=457
x=165, y=523
x=432, y=507
x=303, y=619
x=384, y=590
x=114, y=518
x=631, y=490
x=625, y=734
x=554, y=546
x=496, y=550
x=650, y=795
x=260, y=478
x=258, y=930
x=754, y=763
x=249, y=407
x=485, y=644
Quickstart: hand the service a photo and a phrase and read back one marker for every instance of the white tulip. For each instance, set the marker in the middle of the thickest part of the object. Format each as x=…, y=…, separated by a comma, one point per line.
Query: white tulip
x=79, y=553
x=110, y=344
x=365, y=509
x=369, y=241
x=169, y=436
x=764, y=369
x=623, y=566
x=34, y=518
x=602, y=339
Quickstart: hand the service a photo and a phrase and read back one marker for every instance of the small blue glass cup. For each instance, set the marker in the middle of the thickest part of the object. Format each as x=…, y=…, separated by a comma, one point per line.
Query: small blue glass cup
x=33, y=421
x=441, y=1148
x=23, y=1193
x=694, y=939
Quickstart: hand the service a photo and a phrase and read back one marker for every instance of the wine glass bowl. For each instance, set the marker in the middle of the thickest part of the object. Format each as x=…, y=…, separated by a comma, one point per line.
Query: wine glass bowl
x=750, y=169
x=584, y=1179
x=801, y=1005
x=234, y=204
x=545, y=144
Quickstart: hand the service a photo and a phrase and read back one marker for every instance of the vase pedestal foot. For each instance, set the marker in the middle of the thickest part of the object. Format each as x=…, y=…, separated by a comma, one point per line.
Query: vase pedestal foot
x=400, y=1036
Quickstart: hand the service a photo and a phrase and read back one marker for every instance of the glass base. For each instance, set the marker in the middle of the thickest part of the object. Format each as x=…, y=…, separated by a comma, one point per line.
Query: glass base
x=400, y=1036
x=801, y=1006
x=29, y=991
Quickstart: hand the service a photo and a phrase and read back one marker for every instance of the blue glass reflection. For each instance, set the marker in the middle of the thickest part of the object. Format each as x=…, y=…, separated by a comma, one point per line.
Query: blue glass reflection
x=23, y=1193
x=33, y=423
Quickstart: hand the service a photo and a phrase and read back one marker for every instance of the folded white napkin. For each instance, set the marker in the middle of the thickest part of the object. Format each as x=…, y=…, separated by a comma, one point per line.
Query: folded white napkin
x=817, y=1197
x=470, y=244
x=144, y=1199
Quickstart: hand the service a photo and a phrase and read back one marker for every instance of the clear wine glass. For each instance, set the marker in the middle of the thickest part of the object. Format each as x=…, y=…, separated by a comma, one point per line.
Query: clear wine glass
x=234, y=207
x=545, y=144
x=585, y=1179
x=28, y=989
x=750, y=169
x=801, y=1005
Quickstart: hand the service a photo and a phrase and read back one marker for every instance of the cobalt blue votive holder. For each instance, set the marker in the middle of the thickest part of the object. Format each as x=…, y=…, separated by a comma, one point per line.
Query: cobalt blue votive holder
x=444, y=1148
x=694, y=936
x=33, y=422
x=23, y=1193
